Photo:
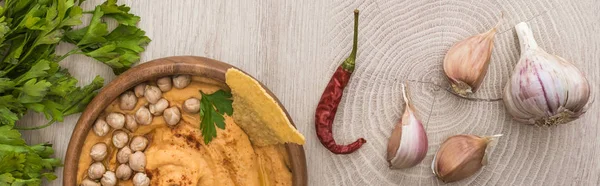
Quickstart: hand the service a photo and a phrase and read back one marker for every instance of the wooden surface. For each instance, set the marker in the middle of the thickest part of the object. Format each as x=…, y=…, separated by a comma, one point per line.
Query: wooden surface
x=294, y=46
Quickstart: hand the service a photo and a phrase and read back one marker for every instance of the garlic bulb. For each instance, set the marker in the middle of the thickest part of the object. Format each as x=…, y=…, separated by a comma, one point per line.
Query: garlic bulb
x=408, y=144
x=544, y=89
x=467, y=61
x=460, y=156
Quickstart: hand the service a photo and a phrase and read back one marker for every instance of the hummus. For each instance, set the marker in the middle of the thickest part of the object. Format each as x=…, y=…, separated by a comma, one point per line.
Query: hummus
x=178, y=156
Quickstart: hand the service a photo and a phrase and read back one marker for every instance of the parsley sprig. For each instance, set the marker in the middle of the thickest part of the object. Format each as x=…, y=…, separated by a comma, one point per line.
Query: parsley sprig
x=212, y=108
x=31, y=78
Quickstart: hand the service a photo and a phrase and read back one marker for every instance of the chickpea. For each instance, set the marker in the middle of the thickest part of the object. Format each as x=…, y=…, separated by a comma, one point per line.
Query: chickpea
x=164, y=83
x=140, y=179
x=181, y=81
x=124, y=172
x=96, y=171
x=123, y=154
x=88, y=182
x=130, y=123
x=143, y=116
x=152, y=94
x=101, y=128
x=158, y=108
x=139, y=90
x=120, y=139
x=137, y=161
x=115, y=120
x=172, y=116
x=138, y=143
x=127, y=100
x=109, y=179
x=191, y=105
x=98, y=151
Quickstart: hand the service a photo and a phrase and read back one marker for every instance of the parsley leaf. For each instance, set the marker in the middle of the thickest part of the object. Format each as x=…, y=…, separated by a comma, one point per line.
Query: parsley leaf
x=119, y=48
x=119, y=13
x=95, y=31
x=31, y=78
x=212, y=108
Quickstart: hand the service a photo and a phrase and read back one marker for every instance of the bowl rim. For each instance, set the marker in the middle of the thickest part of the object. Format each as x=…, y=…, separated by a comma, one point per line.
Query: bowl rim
x=191, y=65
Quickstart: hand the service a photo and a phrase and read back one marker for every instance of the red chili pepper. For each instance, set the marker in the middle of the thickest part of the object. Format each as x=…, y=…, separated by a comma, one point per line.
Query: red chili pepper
x=331, y=98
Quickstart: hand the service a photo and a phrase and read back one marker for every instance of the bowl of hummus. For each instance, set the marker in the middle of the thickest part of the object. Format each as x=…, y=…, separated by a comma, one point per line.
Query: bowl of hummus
x=185, y=121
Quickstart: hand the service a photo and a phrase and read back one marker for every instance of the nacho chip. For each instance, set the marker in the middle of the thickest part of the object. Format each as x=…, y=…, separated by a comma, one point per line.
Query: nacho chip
x=257, y=113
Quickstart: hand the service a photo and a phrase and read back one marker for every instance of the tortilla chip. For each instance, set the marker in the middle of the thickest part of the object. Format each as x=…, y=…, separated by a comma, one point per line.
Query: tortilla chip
x=257, y=113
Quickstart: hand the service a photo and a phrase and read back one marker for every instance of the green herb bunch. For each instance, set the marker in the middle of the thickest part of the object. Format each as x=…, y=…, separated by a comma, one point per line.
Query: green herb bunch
x=31, y=78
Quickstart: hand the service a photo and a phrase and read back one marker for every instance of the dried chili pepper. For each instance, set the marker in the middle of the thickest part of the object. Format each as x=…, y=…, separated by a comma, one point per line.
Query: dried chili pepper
x=331, y=98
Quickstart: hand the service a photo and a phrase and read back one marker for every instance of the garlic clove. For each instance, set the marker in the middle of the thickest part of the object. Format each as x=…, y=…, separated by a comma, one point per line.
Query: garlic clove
x=460, y=156
x=544, y=89
x=466, y=62
x=408, y=144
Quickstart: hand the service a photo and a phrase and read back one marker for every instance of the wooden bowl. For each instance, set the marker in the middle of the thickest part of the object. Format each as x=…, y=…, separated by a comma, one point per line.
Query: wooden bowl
x=197, y=66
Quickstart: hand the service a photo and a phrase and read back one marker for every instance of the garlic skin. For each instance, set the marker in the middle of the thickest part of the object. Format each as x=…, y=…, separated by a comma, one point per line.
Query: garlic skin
x=544, y=89
x=460, y=156
x=466, y=62
x=408, y=143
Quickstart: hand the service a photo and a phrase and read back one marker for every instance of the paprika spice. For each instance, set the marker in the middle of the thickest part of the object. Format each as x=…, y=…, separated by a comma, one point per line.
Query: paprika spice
x=331, y=98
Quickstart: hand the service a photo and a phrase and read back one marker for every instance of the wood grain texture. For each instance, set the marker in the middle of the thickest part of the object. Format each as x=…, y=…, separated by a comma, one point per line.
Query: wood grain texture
x=293, y=47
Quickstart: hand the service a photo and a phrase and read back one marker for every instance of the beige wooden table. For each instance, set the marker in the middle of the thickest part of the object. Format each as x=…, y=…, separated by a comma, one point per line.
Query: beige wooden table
x=294, y=46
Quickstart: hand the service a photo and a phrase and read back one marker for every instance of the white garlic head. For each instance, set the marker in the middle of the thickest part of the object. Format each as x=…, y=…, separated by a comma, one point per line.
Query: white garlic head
x=140, y=179
x=544, y=89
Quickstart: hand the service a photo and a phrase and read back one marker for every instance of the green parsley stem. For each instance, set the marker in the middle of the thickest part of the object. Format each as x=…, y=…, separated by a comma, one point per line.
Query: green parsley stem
x=36, y=127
